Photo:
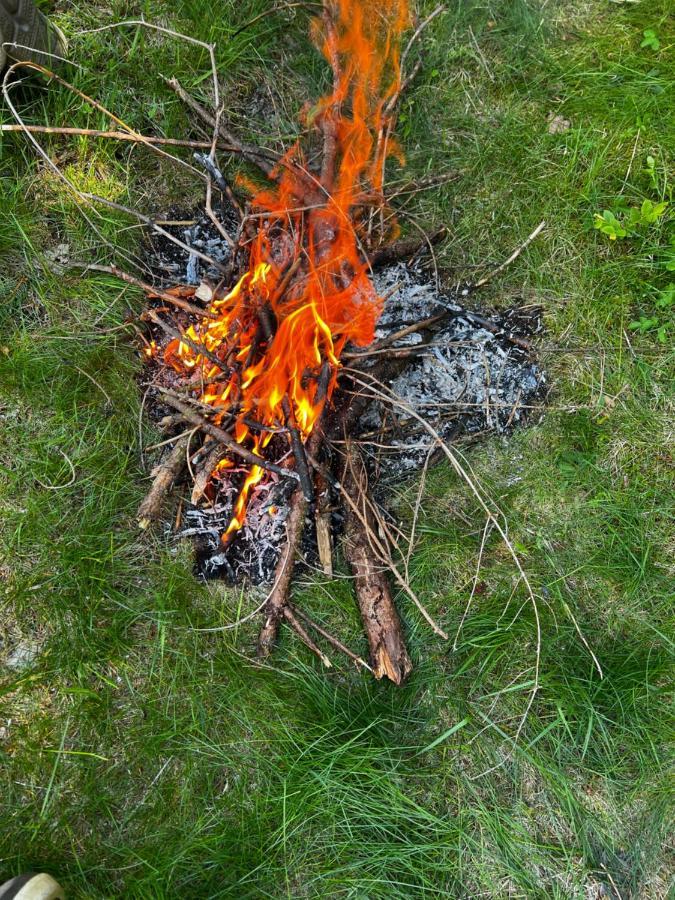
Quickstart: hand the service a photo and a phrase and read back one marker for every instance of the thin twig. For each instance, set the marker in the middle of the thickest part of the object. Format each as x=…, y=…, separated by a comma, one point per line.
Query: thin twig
x=304, y=637
x=116, y=272
x=130, y=137
x=516, y=253
x=158, y=228
x=331, y=638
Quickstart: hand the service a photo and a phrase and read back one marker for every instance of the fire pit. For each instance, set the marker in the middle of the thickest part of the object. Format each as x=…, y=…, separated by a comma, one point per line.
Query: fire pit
x=301, y=355
x=301, y=351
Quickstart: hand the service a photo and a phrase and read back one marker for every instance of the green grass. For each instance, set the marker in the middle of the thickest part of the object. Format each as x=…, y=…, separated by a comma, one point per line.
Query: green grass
x=142, y=754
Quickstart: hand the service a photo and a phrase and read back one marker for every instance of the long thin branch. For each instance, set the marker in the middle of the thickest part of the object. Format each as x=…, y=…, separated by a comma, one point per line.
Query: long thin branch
x=278, y=598
x=331, y=639
x=516, y=253
x=304, y=637
x=116, y=272
x=254, y=155
x=131, y=137
x=94, y=198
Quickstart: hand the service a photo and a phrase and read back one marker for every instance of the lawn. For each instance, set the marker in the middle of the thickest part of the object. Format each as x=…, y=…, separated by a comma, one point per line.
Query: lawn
x=142, y=751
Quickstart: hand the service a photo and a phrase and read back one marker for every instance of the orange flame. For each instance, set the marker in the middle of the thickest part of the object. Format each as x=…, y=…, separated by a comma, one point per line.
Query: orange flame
x=280, y=331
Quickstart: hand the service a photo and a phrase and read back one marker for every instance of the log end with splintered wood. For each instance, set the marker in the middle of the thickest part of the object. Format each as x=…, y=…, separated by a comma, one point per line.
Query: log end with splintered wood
x=388, y=655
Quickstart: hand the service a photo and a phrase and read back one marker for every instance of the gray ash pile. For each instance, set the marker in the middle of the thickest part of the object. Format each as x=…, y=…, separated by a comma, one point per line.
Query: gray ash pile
x=473, y=375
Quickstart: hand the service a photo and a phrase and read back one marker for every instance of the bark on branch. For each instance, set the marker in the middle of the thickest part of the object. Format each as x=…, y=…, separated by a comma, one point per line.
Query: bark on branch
x=388, y=654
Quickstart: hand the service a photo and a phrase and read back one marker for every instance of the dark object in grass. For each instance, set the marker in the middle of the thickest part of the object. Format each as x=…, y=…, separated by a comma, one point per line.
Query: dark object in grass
x=26, y=35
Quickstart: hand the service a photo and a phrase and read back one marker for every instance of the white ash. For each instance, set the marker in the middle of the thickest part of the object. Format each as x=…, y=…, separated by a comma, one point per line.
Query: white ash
x=466, y=379
x=253, y=551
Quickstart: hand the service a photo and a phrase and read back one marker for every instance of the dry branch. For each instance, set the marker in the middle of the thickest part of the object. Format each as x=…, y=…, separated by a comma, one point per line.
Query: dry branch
x=220, y=435
x=304, y=637
x=388, y=654
x=276, y=603
x=331, y=639
x=164, y=476
x=405, y=248
x=253, y=154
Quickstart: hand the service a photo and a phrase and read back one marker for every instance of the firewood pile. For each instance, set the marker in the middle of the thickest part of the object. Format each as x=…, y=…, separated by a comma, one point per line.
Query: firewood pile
x=270, y=374
x=301, y=352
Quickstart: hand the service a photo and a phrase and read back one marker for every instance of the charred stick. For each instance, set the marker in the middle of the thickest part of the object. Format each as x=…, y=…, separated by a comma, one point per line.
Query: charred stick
x=493, y=328
x=404, y=248
x=285, y=281
x=301, y=463
x=388, y=654
x=397, y=336
x=295, y=526
x=219, y=434
x=264, y=315
x=206, y=469
x=331, y=638
x=274, y=609
x=164, y=476
x=304, y=637
x=205, y=160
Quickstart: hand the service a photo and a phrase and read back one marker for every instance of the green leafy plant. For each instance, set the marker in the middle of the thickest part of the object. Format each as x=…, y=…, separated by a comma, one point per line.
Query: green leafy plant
x=661, y=321
x=628, y=221
x=650, y=169
x=651, y=40
x=608, y=224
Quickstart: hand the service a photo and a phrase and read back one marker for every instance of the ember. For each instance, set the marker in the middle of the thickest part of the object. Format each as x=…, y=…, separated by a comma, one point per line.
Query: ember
x=289, y=332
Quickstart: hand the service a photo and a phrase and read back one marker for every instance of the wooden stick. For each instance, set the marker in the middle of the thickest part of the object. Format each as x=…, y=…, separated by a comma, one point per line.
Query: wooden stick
x=331, y=638
x=254, y=155
x=304, y=637
x=118, y=136
x=165, y=475
x=322, y=523
x=116, y=272
x=184, y=339
x=220, y=435
x=388, y=654
x=404, y=248
x=516, y=253
x=205, y=471
x=274, y=609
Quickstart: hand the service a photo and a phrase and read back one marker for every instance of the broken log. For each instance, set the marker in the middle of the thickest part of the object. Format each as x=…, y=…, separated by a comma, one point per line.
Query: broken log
x=388, y=654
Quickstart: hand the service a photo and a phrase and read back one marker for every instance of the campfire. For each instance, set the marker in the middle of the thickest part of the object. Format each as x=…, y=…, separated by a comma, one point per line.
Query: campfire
x=301, y=355
x=312, y=345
